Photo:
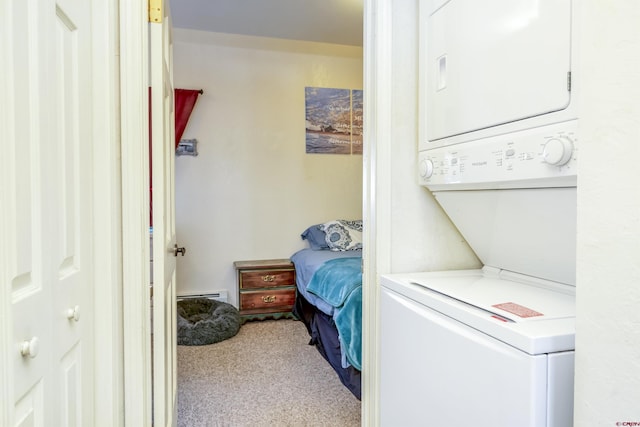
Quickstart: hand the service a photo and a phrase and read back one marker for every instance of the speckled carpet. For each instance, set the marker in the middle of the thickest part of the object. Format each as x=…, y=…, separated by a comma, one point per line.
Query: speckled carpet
x=266, y=375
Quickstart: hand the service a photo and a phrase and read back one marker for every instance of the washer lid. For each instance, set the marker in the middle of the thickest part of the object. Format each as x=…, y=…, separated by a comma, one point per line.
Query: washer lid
x=535, y=317
x=512, y=301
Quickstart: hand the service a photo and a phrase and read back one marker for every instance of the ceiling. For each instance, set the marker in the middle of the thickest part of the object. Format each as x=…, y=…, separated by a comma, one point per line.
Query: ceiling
x=324, y=21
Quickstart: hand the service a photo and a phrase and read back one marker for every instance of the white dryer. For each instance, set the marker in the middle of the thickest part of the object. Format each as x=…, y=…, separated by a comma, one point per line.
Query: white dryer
x=498, y=149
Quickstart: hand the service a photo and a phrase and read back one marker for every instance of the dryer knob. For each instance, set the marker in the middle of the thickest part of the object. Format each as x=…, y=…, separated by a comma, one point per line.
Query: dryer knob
x=557, y=151
x=426, y=168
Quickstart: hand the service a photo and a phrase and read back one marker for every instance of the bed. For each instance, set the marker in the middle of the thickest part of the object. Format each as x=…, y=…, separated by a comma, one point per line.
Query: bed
x=329, y=297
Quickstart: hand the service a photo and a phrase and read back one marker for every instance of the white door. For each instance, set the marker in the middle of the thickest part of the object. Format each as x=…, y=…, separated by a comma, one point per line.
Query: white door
x=164, y=236
x=46, y=198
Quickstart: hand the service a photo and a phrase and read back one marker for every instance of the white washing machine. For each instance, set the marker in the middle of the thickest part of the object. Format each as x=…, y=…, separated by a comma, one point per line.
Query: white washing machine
x=475, y=348
x=498, y=149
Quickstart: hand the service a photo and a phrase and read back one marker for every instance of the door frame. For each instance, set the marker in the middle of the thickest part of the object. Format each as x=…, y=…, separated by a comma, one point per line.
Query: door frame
x=107, y=222
x=376, y=210
x=135, y=240
x=6, y=374
x=134, y=116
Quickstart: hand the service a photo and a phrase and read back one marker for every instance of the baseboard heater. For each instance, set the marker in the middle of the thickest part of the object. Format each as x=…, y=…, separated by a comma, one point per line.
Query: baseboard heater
x=216, y=295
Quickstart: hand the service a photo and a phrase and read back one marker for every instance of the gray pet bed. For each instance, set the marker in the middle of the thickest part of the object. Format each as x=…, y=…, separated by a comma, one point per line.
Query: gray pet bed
x=204, y=321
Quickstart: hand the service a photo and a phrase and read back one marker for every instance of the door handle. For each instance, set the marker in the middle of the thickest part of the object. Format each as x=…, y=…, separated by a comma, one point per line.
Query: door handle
x=74, y=313
x=30, y=347
x=177, y=250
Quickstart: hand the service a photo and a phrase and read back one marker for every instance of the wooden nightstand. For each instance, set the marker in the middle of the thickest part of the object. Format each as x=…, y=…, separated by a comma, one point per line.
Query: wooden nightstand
x=266, y=288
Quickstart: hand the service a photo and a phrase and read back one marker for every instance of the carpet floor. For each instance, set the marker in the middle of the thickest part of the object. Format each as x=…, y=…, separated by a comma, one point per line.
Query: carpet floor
x=266, y=375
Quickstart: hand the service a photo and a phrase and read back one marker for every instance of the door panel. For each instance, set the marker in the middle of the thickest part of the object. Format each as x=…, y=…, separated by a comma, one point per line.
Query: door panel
x=29, y=410
x=164, y=239
x=48, y=191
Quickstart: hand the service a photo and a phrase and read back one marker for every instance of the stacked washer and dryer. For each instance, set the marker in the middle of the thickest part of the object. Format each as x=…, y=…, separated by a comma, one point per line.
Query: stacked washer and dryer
x=498, y=149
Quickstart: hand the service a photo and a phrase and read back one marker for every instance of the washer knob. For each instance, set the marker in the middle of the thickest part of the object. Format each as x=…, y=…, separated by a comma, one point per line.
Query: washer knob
x=557, y=151
x=426, y=168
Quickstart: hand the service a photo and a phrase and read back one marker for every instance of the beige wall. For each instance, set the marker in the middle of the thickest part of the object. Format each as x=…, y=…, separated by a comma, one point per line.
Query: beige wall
x=252, y=189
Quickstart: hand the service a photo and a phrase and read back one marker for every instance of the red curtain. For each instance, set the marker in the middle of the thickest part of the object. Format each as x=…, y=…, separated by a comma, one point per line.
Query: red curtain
x=185, y=99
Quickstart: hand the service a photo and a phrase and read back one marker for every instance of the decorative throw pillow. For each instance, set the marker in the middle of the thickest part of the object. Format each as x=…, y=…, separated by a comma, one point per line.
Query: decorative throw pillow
x=343, y=235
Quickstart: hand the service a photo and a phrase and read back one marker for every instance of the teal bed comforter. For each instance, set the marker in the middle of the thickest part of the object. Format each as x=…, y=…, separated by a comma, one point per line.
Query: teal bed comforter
x=339, y=283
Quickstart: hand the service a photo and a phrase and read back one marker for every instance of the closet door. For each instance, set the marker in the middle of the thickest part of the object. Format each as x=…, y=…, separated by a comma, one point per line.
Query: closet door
x=47, y=217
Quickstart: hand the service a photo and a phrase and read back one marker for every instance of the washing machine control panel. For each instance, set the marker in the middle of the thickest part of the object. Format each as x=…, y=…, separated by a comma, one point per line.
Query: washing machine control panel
x=539, y=157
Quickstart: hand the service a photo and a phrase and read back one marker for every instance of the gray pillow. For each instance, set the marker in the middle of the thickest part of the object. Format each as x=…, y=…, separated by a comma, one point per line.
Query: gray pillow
x=316, y=237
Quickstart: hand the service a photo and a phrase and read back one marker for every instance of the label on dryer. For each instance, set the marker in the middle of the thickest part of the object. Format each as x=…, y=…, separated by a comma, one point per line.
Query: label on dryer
x=517, y=309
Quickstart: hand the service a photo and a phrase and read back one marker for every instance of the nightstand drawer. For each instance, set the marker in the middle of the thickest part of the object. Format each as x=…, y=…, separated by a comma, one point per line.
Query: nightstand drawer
x=265, y=301
x=266, y=279
x=266, y=288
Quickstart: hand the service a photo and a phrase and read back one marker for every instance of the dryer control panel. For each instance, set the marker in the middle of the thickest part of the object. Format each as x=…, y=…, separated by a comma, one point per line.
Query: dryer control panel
x=533, y=158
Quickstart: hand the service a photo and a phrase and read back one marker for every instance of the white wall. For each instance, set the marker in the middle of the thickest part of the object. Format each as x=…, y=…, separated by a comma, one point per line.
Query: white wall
x=252, y=189
x=608, y=259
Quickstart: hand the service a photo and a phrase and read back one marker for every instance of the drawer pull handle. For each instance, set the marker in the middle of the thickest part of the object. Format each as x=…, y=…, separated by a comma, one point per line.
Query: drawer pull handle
x=268, y=278
x=269, y=298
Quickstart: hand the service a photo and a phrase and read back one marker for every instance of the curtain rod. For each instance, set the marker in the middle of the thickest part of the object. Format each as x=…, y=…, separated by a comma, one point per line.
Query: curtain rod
x=200, y=91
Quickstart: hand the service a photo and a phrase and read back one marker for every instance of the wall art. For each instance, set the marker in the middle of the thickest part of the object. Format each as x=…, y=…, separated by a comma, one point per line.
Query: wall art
x=329, y=121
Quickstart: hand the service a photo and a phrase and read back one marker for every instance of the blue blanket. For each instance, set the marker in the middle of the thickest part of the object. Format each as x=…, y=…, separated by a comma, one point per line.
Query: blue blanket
x=339, y=283
x=307, y=261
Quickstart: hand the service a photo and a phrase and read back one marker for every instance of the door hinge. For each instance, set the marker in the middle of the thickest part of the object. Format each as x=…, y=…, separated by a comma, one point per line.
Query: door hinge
x=569, y=81
x=155, y=10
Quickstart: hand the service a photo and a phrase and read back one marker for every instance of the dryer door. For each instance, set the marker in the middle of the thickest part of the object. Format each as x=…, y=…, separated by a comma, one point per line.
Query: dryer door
x=496, y=62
